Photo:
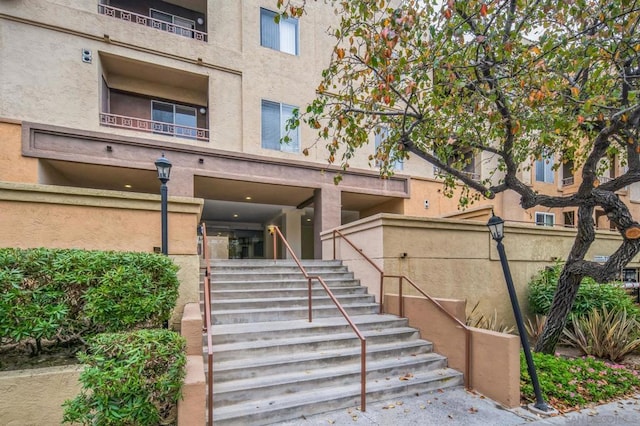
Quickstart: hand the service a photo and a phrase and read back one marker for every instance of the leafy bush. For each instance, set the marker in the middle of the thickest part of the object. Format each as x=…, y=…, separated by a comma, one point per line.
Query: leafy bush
x=604, y=334
x=66, y=294
x=591, y=295
x=570, y=383
x=130, y=378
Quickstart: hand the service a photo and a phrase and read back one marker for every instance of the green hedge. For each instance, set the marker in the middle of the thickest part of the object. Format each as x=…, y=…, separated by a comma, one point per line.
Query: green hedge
x=591, y=295
x=66, y=294
x=130, y=378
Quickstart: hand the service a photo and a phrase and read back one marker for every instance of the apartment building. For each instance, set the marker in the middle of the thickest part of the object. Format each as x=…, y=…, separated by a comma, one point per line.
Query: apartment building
x=99, y=89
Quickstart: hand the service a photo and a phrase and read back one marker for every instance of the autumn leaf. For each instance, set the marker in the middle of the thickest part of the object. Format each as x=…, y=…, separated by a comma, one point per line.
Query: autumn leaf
x=483, y=9
x=447, y=13
x=340, y=52
x=305, y=152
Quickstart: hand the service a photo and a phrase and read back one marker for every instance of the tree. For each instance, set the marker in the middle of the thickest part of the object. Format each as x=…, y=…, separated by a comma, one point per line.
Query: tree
x=517, y=80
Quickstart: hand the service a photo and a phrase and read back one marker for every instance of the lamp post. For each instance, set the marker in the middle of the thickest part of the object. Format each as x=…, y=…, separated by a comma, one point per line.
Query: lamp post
x=496, y=226
x=164, y=170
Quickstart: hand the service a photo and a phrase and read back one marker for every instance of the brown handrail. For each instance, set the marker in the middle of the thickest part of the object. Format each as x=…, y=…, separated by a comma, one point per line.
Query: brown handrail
x=207, y=323
x=401, y=279
x=275, y=232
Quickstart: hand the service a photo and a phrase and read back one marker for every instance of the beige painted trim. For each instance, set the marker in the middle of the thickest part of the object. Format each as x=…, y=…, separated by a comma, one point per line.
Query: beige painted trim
x=36, y=193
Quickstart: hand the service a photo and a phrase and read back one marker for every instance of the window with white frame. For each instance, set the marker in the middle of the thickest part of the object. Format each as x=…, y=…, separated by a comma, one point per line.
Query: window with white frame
x=274, y=122
x=282, y=36
x=381, y=134
x=180, y=120
x=545, y=219
x=544, y=169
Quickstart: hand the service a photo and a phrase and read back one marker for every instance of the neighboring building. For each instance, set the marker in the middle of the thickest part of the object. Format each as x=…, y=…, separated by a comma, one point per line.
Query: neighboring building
x=100, y=89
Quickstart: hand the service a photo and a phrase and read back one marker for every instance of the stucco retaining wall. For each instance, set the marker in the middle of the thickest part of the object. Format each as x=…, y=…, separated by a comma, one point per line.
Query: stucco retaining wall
x=35, y=397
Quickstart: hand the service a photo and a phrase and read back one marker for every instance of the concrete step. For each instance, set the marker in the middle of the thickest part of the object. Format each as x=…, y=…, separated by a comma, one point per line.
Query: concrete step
x=313, y=343
x=277, y=385
x=295, y=405
x=239, y=369
x=230, y=333
x=284, y=292
x=267, y=284
x=269, y=263
x=288, y=302
x=235, y=316
x=277, y=276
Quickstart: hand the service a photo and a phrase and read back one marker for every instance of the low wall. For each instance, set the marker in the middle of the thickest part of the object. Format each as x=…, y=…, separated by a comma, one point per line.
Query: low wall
x=192, y=406
x=456, y=259
x=35, y=397
x=36, y=215
x=494, y=358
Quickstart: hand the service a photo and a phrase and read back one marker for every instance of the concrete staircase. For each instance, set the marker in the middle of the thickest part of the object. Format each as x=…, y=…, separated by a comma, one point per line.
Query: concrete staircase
x=271, y=364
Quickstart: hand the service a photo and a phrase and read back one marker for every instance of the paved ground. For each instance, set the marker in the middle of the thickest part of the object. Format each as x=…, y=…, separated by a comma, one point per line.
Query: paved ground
x=459, y=407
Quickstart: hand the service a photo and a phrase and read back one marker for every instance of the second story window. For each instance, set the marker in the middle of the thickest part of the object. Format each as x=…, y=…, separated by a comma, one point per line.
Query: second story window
x=544, y=169
x=282, y=36
x=180, y=120
x=380, y=137
x=545, y=219
x=274, y=121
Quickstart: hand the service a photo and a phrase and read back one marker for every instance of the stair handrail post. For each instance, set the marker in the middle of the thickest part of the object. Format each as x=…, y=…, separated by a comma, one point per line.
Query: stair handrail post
x=207, y=323
x=334, y=247
x=400, y=298
x=310, y=300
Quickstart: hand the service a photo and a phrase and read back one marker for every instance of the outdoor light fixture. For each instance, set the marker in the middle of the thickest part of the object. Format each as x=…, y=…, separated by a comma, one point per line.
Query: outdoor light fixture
x=496, y=226
x=271, y=229
x=163, y=166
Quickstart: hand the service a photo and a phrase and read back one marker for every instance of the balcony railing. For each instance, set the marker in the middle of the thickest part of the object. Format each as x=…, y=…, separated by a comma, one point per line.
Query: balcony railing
x=568, y=181
x=472, y=175
x=604, y=179
x=150, y=126
x=169, y=27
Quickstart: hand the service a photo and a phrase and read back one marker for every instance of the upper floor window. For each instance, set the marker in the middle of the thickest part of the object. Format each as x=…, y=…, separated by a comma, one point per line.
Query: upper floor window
x=282, y=36
x=545, y=219
x=544, y=169
x=274, y=121
x=181, y=120
x=380, y=135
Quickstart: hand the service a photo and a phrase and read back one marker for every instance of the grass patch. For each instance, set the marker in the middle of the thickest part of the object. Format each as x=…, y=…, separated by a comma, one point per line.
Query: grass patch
x=572, y=383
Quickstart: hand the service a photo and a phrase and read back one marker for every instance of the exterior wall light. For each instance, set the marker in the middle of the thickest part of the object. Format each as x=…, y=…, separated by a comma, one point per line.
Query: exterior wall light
x=163, y=166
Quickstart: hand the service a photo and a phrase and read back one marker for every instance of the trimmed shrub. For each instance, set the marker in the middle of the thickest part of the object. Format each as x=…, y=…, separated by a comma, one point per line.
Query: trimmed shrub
x=130, y=378
x=591, y=295
x=66, y=294
x=604, y=334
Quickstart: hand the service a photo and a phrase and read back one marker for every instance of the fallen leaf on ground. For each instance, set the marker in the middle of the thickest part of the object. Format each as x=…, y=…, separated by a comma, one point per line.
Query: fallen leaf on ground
x=473, y=410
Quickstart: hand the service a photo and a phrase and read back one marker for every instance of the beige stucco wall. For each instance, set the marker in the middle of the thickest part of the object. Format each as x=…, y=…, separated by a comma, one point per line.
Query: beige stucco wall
x=458, y=259
x=13, y=166
x=62, y=217
x=35, y=397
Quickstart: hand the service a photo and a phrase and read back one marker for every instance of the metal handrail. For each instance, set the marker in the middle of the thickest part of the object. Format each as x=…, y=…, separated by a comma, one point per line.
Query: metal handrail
x=148, y=21
x=275, y=232
x=159, y=127
x=207, y=323
x=401, y=279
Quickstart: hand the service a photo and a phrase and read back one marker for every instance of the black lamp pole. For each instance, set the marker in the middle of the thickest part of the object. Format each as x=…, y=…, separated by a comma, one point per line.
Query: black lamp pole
x=164, y=171
x=496, y=226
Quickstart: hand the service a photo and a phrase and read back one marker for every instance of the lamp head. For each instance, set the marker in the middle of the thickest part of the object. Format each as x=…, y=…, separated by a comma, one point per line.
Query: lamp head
x=496, y=227
x=271, y=229
x=163, y=166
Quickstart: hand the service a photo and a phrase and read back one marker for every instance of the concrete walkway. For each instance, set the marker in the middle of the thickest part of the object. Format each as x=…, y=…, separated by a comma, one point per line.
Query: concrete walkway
x=459, y=407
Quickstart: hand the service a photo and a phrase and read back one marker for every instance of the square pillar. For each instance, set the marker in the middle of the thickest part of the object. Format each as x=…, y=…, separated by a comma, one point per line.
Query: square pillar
x=327, y=211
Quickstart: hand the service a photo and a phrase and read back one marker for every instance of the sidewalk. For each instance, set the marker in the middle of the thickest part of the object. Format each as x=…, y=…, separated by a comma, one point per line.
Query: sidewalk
x=459, y=407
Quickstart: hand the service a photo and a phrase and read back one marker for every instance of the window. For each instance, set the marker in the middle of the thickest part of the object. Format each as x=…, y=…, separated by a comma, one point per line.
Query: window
x=544, y=169
x=181, y=120
x=380, y=135
x=174, y=24
x=282, y=36
x=545, y=219
x=274, y=121
x=569, y=219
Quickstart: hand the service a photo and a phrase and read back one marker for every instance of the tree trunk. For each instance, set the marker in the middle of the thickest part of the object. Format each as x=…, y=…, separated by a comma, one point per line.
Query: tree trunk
x=566, y=292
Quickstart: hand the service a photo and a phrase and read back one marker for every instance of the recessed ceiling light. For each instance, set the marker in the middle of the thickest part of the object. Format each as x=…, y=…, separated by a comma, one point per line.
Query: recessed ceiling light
x=235, y=215
x=308, y=220
x=127, y=186
x=247, y=197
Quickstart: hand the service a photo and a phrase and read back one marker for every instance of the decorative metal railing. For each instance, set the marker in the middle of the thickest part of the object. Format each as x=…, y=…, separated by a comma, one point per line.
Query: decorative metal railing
x=568, y=181
x=275, y=231
x=151, y=126
x=136, y=18
x=401, y=280
x=474, y=176
x=207, y=322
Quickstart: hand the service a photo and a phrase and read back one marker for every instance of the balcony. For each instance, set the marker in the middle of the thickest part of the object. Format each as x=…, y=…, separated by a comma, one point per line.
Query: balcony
x=151, y=126
x=188, y=23
x=472, y=175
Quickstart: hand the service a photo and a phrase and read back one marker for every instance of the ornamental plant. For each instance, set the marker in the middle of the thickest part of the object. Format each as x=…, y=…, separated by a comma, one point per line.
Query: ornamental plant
x=130, y=379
